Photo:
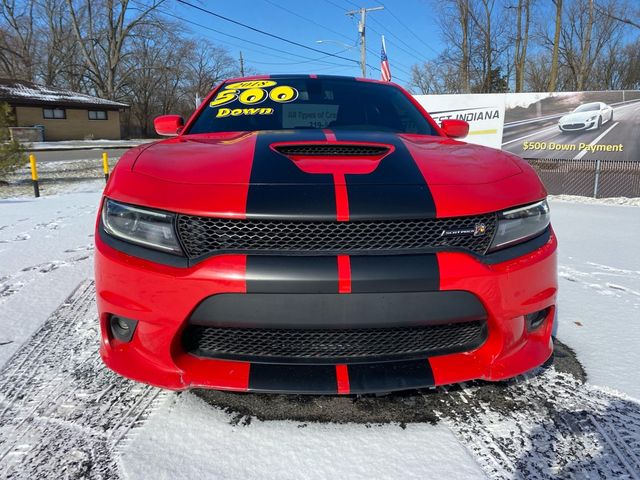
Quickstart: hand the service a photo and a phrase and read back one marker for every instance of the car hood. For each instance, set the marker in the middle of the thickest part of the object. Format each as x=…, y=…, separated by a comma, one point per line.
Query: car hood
x=578, y=116
x=252, y=158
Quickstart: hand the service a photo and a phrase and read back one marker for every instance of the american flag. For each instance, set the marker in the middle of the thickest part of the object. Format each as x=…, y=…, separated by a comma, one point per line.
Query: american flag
x=384, y=63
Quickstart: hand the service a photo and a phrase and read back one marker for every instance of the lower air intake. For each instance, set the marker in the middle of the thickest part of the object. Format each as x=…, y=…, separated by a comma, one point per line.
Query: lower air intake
x=335, y=345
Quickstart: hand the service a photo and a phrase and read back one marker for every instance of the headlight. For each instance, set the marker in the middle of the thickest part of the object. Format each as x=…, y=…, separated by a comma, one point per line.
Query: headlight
x=520, y=224
x=150, y=228
x=591, y=118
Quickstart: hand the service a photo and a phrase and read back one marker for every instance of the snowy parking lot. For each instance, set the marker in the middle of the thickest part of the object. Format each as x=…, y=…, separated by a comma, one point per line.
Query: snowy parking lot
x=63, y=415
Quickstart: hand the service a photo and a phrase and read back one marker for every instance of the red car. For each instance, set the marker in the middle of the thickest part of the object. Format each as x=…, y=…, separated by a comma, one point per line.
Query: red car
x=321, y=234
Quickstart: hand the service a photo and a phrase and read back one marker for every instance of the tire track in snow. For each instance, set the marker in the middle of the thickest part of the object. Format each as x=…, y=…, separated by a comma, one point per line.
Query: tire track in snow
x=62, y=413
x=546, y=426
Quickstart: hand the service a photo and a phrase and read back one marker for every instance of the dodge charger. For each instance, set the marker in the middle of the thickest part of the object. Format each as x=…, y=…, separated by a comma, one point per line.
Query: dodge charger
x=321, y=235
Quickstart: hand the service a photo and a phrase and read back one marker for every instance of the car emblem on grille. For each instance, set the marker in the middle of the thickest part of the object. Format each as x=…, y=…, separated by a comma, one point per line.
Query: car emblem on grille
x=476, y=231
x=480, y=229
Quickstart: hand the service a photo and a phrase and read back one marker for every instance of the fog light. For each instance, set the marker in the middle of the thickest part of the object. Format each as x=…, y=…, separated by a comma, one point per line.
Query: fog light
x=536, y=319
x=122, y=328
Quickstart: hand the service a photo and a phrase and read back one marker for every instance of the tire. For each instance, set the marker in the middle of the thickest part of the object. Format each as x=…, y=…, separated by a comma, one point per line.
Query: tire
x=611, y=117
x=599, y=122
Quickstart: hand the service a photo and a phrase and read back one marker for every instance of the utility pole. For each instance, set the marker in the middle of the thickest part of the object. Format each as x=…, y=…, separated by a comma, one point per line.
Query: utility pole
x=361, y=30
x=241, y=65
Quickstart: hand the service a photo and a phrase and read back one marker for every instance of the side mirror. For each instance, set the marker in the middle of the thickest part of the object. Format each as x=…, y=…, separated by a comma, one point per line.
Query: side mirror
x=168, y=125
x=455, y=128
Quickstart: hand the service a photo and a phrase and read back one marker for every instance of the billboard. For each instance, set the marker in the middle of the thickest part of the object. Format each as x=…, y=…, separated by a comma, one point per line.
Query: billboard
x=600, y=125
x=483, y=111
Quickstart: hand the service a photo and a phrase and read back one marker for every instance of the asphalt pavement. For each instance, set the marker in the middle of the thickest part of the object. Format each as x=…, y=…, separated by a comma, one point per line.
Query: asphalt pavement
x=543, y=138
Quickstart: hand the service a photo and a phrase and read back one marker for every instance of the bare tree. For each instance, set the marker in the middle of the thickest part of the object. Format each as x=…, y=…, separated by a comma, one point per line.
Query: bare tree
x=60, y=63
x=584, y=67
x=17, y=40
x=521, y=41
x=206, y=65
x=102, y=30
x=456, y=26
x=622, y=13
x=428, y=79
x=553, y=74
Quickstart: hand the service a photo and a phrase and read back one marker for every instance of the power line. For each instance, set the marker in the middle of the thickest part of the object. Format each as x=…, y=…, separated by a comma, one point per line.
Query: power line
x=396, y=65
x=319, y=59
x=363, y=36
x=413, y=54
x=271, y=49
x=298, y=62
x=340, y=7
x=278, y=37
x=307, y=19
x=405, y=27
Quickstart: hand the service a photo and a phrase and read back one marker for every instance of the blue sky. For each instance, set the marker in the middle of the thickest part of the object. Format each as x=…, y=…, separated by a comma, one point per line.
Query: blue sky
x=409, y=26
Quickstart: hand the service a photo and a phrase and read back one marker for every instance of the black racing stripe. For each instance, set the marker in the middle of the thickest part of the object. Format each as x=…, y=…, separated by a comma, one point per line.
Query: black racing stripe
x=279, y=189
x=390, y=376
x=395, y=273
x=313, y=379
x=396, y=189
x=265, y=274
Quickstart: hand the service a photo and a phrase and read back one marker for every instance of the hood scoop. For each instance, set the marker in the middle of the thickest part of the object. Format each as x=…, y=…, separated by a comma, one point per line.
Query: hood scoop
x=334, y=158
x=331, y=150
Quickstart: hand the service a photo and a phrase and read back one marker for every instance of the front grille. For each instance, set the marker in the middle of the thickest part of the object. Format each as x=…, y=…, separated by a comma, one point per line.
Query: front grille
x=365, y=344
x=332, y=150
x=206, y=236
x=573, y=126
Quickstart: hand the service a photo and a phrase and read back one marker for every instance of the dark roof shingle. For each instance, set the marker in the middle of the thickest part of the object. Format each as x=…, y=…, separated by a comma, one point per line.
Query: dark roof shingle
x=21, y=92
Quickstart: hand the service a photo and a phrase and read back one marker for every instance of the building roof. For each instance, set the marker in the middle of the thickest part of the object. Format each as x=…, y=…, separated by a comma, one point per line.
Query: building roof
x=21, y=92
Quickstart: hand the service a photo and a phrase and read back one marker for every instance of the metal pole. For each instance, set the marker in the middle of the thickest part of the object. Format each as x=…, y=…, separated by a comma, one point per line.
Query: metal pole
x=363, y=35
x=595, y=185
x=363, y=41
x=105, y=166
x=34, y=175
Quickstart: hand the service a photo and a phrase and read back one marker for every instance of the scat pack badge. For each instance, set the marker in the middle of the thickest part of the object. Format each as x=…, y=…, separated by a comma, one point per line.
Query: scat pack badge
x=477, y=230
x=252, y=93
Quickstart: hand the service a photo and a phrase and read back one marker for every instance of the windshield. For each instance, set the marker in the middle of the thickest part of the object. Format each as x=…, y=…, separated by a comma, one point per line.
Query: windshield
x=304, y=103
x=588, y=107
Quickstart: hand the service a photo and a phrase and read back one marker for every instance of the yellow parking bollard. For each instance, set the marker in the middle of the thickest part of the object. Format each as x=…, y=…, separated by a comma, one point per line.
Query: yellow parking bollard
x=105, y=166
x=34, y=175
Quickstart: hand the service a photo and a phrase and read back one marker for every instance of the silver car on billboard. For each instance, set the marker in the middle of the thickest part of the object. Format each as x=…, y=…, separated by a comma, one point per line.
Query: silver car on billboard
x=588, y=116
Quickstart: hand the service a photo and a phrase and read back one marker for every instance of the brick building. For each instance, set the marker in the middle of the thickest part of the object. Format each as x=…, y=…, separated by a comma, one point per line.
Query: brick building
x=65, y=115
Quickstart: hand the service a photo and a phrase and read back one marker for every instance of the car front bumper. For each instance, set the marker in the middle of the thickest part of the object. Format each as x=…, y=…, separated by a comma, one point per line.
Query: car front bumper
x=166, y=300
x=578, y=126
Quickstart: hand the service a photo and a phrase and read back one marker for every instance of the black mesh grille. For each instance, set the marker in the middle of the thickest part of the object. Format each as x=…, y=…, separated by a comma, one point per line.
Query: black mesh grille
x=332, y=150
x=204, y=235
x=366, y=344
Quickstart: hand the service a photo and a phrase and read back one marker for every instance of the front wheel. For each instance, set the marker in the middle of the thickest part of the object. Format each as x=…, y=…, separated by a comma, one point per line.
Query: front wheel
x=599, y=122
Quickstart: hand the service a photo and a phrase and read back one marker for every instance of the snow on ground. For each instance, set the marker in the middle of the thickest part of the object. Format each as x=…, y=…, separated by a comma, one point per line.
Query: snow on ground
x=46, y=249
x=599, y=299
x=632, y=202
x=56, y=397
x=187, y=429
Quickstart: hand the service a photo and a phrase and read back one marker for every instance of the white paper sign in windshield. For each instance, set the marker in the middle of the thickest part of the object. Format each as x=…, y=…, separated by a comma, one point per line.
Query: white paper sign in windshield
x=296, y=115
